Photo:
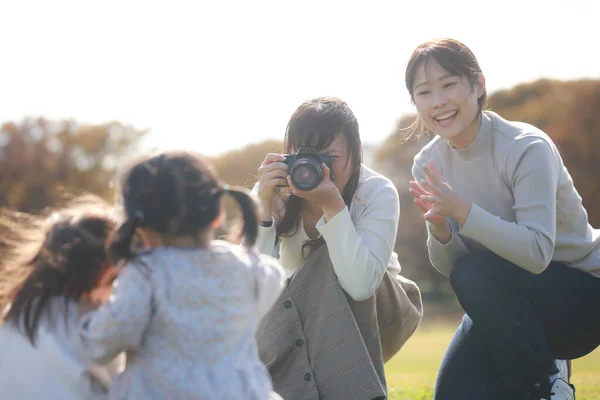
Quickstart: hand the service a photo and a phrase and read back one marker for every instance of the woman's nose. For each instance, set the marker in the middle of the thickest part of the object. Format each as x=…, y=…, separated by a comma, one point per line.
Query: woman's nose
x=439, y=99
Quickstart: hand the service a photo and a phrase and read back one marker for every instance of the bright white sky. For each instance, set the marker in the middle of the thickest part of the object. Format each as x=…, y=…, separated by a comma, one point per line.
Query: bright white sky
x=216, y=75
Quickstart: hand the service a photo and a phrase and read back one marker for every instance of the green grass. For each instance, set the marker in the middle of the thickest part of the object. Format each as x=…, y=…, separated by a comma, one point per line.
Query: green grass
x=411, y=374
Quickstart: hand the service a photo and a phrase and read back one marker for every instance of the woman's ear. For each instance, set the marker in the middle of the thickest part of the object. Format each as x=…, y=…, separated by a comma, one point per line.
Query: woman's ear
x=480, y=86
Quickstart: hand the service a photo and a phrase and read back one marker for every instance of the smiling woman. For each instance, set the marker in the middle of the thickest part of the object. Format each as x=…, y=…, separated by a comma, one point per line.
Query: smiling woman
x=506, y=224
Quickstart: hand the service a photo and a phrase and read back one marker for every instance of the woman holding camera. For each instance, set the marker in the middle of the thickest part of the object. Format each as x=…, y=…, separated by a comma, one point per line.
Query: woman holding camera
x=336, y=243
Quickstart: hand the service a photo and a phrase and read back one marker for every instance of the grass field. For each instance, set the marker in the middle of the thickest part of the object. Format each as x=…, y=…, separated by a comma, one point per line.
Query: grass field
x=411, y=374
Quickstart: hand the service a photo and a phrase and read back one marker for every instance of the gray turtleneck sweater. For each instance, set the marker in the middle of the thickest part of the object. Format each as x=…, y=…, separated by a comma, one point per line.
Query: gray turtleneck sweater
x=524, y=205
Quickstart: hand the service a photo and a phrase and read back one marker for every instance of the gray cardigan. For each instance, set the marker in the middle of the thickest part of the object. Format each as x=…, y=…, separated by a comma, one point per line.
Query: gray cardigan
x=318, y=343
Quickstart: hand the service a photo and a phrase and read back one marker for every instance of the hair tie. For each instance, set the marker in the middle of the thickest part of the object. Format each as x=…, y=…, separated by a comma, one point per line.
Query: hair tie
x=225, y=189
x=138, y=216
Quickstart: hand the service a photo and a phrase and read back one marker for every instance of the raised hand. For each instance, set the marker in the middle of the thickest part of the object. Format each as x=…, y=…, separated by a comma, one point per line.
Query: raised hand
x=441, y=199
x=273, y=185
x=417, y=191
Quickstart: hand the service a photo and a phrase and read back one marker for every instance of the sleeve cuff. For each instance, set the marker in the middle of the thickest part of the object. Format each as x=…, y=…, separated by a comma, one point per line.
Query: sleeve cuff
x=339, y=221
x=266, y=224
x=475, y=222
x=265, y=241
x=435, y=240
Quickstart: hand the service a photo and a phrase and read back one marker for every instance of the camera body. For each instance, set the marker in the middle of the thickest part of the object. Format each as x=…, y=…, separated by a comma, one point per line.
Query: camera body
x=305, y=167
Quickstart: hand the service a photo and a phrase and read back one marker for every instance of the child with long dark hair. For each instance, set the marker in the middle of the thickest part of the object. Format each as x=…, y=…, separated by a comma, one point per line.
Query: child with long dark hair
x=51, y=268
x=187, y=307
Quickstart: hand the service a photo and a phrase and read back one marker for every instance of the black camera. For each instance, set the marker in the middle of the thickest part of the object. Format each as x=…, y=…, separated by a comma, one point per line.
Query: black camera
x=305, y=167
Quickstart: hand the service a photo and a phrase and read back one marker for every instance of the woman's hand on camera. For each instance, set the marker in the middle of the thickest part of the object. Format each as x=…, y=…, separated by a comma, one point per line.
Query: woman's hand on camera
x=326, y=195
x=272, y=176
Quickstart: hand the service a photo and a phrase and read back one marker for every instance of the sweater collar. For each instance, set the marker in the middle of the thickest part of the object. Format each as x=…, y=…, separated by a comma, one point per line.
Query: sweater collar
x=481, y=142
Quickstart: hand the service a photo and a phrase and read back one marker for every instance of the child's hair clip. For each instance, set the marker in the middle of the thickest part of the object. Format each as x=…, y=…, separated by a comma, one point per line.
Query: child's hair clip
x=139, y=216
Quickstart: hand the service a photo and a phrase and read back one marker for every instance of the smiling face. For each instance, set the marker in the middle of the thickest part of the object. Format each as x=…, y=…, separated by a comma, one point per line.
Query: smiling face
x=447, y=103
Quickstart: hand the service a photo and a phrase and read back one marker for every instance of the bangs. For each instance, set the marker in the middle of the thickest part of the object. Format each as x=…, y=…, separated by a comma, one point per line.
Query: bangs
x=317, y=132
x=446, y=61
x=449, y=62
x=454, y=62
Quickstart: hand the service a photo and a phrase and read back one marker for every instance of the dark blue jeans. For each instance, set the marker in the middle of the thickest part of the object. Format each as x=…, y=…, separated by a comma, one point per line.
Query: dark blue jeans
x=516, y=324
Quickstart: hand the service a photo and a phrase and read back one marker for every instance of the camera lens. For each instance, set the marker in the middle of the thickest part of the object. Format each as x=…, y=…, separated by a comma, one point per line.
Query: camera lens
x=306, y=174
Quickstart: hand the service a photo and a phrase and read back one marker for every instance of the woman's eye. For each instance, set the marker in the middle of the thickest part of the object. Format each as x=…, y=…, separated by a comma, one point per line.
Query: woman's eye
x=424, y=92
x=447, y=85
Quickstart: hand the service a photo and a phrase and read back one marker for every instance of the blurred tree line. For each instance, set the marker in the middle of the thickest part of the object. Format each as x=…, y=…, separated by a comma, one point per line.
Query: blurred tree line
x=40, y=160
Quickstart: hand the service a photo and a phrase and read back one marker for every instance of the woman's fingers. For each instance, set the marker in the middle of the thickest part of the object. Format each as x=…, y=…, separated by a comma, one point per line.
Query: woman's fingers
x=431, y=177
x=274, y=166
x=430, y=199
x=326, y=172
x=295, y=191
x=417, y=188
x=415, y=193
x=273, y=179
x=436, y=172
x=432, y=214
x=274, y=175
x=428, y=213
x=421, y=205
x=272, y=157
x=427, y=186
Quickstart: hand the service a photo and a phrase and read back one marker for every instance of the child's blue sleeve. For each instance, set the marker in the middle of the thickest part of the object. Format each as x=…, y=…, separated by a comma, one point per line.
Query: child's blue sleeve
x=120, y=324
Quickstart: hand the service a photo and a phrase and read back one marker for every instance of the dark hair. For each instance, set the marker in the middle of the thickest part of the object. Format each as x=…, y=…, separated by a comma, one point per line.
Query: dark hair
x=453, y=56
x=175, y=193
x=62, y=256
x=317, y=123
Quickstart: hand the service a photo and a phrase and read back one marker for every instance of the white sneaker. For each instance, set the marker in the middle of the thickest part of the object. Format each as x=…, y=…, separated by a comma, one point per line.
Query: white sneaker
x=564, y=369
x=562, y=390
x=559, y=390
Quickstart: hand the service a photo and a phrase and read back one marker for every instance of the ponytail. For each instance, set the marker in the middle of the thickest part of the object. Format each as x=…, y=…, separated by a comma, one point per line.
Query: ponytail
x=120, y=243
x=249, y=214
x=59, y=257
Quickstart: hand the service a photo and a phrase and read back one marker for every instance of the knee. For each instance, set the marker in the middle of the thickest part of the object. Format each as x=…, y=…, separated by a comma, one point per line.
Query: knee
x=471, y=271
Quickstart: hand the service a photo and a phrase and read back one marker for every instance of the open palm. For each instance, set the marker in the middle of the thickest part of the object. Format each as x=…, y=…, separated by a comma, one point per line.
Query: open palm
x=417, y=191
